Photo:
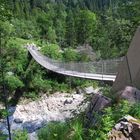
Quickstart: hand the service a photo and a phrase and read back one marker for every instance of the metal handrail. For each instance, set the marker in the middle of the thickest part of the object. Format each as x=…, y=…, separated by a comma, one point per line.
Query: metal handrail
x=103, y=69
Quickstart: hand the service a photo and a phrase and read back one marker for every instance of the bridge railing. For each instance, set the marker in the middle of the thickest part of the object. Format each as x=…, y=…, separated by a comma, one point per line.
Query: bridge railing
x=101, y=67
x=104, y=67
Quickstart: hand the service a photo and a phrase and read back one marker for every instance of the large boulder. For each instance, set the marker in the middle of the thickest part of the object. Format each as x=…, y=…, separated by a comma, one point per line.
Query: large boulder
x=131, y=94
x=128, y=128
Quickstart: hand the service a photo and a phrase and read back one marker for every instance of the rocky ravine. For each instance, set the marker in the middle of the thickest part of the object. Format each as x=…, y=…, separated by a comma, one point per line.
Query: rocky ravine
x=34, y=115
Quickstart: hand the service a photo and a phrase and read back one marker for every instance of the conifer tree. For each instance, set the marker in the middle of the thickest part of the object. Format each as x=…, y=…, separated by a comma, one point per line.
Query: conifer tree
x=70, y=30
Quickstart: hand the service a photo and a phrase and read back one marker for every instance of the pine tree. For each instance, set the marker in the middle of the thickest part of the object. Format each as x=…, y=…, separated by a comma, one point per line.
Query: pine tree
x=70, y=30
x=85, y=25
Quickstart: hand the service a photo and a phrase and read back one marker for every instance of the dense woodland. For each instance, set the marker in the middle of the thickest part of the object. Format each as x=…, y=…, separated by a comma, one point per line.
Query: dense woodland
x=105, y=25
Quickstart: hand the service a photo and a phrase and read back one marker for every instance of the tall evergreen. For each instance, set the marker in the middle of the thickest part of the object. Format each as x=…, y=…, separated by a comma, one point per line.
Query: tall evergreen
x=70, y=29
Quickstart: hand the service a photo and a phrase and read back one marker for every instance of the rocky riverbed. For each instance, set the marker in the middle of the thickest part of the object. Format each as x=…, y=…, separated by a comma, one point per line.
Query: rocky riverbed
x=34, y=115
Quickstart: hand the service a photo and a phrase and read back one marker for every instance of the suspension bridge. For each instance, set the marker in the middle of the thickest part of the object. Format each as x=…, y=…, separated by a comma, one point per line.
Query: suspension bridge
x=105, y=70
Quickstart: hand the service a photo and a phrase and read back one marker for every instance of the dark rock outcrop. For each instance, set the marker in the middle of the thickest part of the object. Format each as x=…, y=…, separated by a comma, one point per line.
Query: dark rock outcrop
x=98, y=103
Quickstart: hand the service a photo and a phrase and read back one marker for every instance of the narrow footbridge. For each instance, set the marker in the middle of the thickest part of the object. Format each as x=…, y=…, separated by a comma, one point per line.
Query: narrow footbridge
x=105, y=70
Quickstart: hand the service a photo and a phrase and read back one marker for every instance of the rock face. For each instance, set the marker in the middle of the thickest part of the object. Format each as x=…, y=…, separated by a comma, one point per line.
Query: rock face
x=34, y=115
x=97, y=103
x=131, y=94
x=128, y=128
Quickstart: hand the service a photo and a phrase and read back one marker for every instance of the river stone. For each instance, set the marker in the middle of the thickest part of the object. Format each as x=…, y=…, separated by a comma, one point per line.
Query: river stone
x=89, y=90
x=18, y=120
x=32, y=126
x=68, y=101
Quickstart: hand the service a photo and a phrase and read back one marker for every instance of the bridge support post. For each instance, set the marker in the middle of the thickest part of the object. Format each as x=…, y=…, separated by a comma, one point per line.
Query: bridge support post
x=129, y=70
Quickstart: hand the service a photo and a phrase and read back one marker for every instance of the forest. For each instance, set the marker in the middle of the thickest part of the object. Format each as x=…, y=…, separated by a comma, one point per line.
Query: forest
x=59, y=28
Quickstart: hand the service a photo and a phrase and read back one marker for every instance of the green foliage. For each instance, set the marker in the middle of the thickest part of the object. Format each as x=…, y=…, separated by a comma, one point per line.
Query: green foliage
x=106, y=90
x=76, y=131
x=16, y=55
x=72, y=130
x=78, y=82
x=84, y=57
x=31, y=95
x=64, y=87
x=39, y=84
x=20, y=135
x=86, y=25
x=25, y=29
x=55, y=86
x=4, y=11
x=54, y=131
x=44, y=22
x=135, y=110
x=70, y=55
x=121, y=109
x=2, y=137
x=70, y=30
x=3, y=113
x=69, y=24
x=13, y=82
x=51, y=35
x=104, y=125
x=106, y=122
x=52, y=51
x=106, y=26
x=113, y=35
x=5, y=28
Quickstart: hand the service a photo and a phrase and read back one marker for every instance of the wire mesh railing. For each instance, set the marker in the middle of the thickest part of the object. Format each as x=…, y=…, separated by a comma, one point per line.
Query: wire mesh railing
x=102, y=67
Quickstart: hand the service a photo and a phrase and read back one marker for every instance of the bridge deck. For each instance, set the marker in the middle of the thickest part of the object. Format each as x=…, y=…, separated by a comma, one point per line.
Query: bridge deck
x=82, y=70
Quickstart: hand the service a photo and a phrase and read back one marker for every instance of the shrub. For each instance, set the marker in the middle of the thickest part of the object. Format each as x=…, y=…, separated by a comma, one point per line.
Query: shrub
x=40, y=84
x=31, y=95
x=135, y=110
x=70, y=55
x=3, y=113
x=52, y=51
x=53, y=131
x=106, y=122
x=13, y=82
x=20, y=135
x=72, y=130
x=76, y=131
x=2, y=137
